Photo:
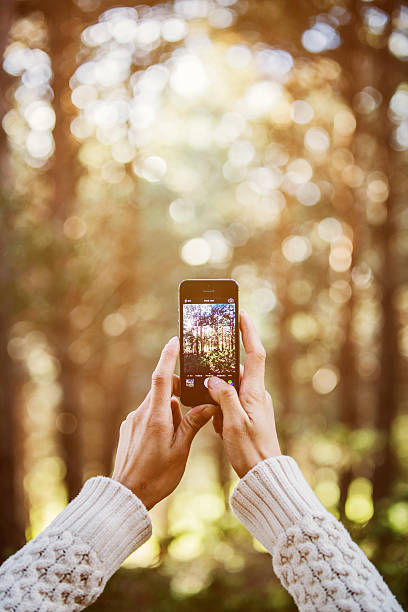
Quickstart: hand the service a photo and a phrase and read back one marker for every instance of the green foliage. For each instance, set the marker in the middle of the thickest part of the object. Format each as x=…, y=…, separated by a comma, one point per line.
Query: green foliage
x=218, y=360
x=149, y=590
x=237, y=167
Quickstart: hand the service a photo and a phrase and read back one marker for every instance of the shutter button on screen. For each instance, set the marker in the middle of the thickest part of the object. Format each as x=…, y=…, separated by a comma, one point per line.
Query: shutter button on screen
x=206, y=382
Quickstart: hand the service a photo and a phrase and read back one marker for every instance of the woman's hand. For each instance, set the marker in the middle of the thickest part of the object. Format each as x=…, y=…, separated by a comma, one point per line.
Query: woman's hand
x=155, y=439
x=246, y=422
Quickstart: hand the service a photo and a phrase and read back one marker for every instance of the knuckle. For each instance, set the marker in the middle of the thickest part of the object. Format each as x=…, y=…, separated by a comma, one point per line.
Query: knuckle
x=191, y=422
x=253, y=396
x=228, y=392
x=260, y=354
x=236, y=429
x=158, y=378
x=129, y=422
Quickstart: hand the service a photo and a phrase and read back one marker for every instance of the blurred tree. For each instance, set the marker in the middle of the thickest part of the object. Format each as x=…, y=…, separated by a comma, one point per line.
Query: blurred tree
x=6, y=19
x=389, y=73
x=248, y=139
x=64, y=26
x=11, y=516
x=127, y=293
x=369, y=66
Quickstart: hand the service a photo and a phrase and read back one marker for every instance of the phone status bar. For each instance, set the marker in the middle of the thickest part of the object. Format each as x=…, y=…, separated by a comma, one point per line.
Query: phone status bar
x=208, y=301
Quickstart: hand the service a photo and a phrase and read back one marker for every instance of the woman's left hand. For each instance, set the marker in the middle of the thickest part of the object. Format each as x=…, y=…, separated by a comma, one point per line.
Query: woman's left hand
x=155, y=439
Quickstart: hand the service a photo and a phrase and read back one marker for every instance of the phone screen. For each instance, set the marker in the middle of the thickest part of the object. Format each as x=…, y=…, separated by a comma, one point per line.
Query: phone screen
x=209, y=336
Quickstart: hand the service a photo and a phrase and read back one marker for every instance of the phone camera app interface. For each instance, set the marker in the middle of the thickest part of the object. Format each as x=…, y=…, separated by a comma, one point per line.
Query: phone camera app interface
x=208, y=342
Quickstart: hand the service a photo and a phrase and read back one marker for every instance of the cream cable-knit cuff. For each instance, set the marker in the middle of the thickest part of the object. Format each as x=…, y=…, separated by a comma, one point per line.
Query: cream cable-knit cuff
x=109, y=517
x=271, y=497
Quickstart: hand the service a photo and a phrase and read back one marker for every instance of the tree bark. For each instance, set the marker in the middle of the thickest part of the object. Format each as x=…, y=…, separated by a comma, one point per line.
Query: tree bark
x=64, y=37
x=385, y=470
x=11, y=514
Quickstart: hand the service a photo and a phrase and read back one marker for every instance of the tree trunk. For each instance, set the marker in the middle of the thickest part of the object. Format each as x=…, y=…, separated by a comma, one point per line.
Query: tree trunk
x=64, y=42
x=390, y=72
x=11, y=512
x=223, y=469
x=348, y=402
x=6, y=17
x=385, y=470
x=121, y=383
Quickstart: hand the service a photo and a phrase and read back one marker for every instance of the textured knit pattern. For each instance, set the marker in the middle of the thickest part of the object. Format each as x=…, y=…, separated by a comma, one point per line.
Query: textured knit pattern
x=66, y=567
x=56, y=571
x=313, y=555
x=323, y=569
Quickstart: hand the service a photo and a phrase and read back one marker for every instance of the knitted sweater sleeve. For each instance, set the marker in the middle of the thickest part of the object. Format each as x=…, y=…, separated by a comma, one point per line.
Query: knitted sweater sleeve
x=312, y=553
x=65, y=568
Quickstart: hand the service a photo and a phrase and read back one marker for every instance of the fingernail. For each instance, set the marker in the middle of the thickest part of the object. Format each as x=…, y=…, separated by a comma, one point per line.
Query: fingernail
x=172, y=340
x=242, y=311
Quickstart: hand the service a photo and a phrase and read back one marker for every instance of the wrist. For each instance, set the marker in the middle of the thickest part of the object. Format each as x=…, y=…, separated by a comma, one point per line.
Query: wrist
x=252, y=459
x=141, y=489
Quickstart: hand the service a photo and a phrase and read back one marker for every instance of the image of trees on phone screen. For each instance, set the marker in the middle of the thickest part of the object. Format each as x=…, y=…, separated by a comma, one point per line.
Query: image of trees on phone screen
x=209, y=338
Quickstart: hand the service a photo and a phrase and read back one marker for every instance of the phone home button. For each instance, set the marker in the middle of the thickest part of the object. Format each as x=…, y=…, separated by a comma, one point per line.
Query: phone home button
x=206, y=381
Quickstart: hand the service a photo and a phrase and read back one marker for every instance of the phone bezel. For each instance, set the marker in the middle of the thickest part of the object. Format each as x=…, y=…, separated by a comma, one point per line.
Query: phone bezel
x=192, y=287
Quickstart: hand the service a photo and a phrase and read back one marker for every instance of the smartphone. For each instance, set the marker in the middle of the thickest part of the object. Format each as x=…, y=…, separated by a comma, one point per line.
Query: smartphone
x=209, y=336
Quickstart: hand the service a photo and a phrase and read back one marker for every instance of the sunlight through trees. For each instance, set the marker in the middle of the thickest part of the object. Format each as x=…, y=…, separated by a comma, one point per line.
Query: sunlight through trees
x=266, y=141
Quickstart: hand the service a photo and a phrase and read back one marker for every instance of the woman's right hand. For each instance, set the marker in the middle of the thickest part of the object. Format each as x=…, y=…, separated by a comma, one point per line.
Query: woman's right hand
x=246, y=422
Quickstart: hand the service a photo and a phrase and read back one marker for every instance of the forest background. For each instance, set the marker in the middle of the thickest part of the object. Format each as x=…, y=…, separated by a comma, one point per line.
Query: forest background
x=140, y=145
x=209, y=338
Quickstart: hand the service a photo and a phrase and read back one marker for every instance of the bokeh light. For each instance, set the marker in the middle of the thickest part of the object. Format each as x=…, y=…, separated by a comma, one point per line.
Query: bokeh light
x=184, y=140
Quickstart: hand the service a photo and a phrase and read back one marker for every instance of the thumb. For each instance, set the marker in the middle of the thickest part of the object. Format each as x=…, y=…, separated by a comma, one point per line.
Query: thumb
x=194, y=420
x=226, y=397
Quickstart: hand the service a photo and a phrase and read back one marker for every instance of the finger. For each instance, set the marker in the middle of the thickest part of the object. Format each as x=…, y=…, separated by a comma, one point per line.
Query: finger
x=193, y=421
x=218, y=422
x=227, y=398
x=254, y=364
x=176, y=412
x=176, y=385
x=123, y=445
x=162, y=378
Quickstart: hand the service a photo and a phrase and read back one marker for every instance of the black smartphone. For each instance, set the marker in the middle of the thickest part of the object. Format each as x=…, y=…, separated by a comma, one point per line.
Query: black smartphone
x=209, y=336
